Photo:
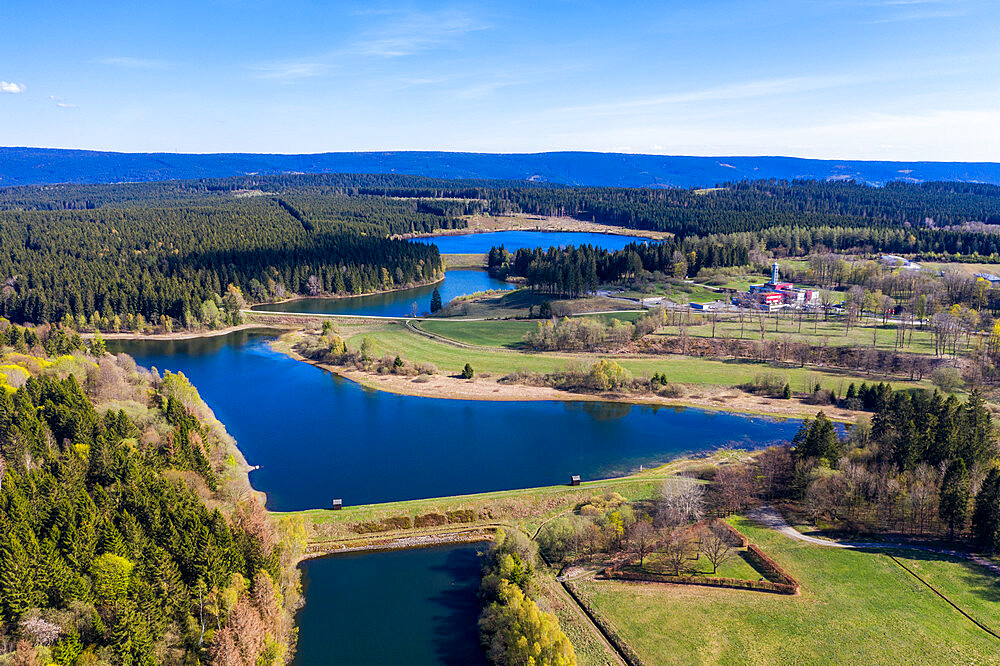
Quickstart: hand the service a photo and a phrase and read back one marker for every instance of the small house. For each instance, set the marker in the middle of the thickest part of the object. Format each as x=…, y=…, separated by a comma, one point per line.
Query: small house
x=574, y=480
x=338, y=504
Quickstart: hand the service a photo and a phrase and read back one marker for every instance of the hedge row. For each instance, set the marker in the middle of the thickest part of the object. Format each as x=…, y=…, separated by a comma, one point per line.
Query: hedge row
x=734, y=583
x=737, y=539
x=625, y=650
x=431, y=519
x=763, y=562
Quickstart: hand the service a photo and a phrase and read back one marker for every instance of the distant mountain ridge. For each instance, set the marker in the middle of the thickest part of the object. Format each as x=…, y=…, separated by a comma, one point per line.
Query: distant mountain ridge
x=39, y=166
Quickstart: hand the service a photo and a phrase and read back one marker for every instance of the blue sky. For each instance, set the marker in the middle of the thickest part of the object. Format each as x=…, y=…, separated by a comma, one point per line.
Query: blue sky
x=879, y=79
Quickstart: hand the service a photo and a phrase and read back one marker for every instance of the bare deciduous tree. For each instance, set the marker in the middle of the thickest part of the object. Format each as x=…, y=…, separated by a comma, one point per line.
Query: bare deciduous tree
x=681, y=500
x=715, y=544
x=677, y=550
x=642, y=536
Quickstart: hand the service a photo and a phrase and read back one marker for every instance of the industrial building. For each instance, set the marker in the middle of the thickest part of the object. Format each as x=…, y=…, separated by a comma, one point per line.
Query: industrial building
x=775, y=294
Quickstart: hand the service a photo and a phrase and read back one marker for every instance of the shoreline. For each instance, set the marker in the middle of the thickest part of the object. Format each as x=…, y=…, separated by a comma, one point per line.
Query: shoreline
x=484, y=224
x=489, y=389
x=184, y=335
x=335, y=297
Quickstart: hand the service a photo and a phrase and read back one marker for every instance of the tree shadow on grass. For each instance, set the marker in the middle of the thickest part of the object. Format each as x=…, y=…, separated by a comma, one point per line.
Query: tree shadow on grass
x=979, y=580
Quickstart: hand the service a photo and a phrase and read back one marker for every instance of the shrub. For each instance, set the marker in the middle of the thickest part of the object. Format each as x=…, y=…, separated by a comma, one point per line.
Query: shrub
x=461, y=516
x=947, y=379
x=468, y=372
x=430, y=520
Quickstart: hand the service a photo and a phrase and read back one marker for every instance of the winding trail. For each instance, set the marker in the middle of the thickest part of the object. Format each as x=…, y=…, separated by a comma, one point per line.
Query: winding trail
x=769, y=517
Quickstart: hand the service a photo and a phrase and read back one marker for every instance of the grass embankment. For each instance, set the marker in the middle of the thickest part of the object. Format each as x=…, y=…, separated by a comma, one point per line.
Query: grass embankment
x=395, y=338
x=855, y=607
x=526, y=509
x=457, y=261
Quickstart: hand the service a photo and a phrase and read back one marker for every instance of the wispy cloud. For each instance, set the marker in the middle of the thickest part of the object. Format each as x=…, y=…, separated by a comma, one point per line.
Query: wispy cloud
x=748, y=90
x=412, y=32
x=134, y=63
x=61, y=103
x=11, y=87
x=901, y=11
x=396, y=34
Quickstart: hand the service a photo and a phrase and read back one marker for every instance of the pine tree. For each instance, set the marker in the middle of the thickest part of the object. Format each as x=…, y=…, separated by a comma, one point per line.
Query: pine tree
x=955, y=494
x=435, y=301
x=467, y=372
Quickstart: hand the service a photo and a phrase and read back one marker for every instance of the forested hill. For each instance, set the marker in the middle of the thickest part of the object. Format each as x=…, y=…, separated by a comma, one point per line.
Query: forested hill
x=29, y=166
x=128, y=530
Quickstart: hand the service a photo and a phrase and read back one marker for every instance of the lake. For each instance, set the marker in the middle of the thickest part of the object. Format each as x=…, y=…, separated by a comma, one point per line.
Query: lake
x=402, y=303
x=318, y=437
x=417, y=607
x=515, y=240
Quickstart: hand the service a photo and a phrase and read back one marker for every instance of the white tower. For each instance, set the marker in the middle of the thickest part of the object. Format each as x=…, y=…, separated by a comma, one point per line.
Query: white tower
x=774, y=273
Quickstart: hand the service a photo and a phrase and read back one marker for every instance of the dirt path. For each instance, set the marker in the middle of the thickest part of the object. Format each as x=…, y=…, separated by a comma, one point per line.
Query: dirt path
x=769, y=517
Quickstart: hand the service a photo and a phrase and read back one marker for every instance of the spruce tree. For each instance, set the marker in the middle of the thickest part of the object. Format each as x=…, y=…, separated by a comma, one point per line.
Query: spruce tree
x=986, y=518
x=955, y=494
x=435, y=301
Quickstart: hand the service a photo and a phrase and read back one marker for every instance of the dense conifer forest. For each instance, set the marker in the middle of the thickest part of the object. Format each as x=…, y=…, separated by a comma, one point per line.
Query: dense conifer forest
x=192, y=253
x=128, y=533
x=197, y=262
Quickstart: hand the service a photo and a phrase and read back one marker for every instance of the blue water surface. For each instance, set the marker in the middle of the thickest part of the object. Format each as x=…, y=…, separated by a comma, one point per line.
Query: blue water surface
x=318, y=437
x=515, y=240
x=402, y=303
x=413, y=607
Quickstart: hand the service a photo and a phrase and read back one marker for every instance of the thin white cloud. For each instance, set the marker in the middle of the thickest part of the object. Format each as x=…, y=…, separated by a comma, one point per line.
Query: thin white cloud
x=290, y=70
x=134, y=63
x=397, y=34
x=11, y=87
x=748, y=90
x=413, y=32
x=61, y=103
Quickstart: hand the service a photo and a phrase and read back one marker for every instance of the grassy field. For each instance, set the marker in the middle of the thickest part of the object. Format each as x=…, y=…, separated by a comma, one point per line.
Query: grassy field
x=735, y=567
x=504, y=333
x=392, y=338
x=855, y=607
x=507, y=333
x=455, y=261
x=814, y=330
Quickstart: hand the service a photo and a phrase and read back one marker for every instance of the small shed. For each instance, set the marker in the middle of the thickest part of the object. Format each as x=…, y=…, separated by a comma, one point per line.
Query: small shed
x=574, y=480
x=338, y=504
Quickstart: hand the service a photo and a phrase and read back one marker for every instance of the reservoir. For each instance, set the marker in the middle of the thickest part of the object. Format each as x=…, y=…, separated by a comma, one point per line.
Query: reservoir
x=318, y=437
x=402, y=303
x=515, y=240
x=417, y=607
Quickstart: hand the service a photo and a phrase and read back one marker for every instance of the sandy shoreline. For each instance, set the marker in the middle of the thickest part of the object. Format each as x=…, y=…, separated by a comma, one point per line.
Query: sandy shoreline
x=723, y=399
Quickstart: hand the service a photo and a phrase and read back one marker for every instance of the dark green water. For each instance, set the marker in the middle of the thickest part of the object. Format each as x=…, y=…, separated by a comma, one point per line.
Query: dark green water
x=412, y=607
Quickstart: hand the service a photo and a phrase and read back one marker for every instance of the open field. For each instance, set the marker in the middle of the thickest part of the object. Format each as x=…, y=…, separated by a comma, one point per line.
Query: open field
x=855, y=607
x=395, y=338
x=814, y=330
x=456, y=261
x=525, y=222
x=969, y=269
